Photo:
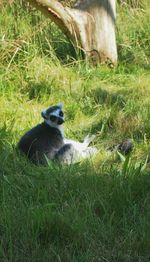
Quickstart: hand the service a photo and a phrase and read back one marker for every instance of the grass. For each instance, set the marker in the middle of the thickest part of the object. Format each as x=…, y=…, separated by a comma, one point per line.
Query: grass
x=96, y=210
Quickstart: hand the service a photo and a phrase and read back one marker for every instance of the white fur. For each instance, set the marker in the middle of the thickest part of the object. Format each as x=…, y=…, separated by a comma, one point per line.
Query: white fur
x=61, y=105
x=83, y=149
x=55, y=125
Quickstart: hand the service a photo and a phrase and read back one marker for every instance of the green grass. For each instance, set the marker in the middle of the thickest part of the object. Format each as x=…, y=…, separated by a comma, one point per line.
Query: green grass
x=96, y=210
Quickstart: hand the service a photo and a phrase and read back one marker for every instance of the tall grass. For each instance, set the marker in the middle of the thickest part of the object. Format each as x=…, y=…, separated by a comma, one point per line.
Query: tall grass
x=133, y=32
x=96, y=210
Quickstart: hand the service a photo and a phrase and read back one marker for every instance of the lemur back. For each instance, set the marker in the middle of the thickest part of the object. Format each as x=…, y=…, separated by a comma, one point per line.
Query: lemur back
x=41, y=142
x=44, y=140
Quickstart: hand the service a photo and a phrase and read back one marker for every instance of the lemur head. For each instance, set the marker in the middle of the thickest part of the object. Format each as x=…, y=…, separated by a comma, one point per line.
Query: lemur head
x=54, y=115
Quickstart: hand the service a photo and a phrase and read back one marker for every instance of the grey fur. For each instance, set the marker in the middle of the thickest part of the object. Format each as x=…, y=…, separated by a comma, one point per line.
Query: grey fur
x=44, y=140
x=67, y=154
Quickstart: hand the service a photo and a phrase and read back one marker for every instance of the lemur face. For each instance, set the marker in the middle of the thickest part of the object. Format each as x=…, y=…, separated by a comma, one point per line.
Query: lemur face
x=54, y=115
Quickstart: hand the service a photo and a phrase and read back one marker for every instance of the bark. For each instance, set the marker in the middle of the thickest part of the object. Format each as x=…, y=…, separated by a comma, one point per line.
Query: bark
x=90, y=25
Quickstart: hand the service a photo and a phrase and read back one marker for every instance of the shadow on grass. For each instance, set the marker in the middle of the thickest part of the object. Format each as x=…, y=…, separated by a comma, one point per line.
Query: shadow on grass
x=73, y=212
x=105, y=97
x=37, y=90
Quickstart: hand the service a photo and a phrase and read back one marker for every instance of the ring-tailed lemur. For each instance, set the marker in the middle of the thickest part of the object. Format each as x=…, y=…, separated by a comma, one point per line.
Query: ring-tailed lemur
x=46, y=141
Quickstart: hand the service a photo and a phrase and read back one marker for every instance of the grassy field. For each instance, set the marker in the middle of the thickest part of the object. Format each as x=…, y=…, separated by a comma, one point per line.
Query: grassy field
x=96, y=210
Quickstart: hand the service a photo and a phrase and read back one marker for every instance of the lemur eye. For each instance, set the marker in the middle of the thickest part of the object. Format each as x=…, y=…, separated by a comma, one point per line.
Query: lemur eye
x=53, y=118
x=61, y=113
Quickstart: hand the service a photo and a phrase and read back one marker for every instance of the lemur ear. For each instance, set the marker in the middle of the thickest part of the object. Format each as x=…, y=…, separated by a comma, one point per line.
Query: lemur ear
x=43, y=114
x=61, y=105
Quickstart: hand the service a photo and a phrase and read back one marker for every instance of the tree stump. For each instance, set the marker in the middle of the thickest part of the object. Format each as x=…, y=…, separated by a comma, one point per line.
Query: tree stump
x=90, y=25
